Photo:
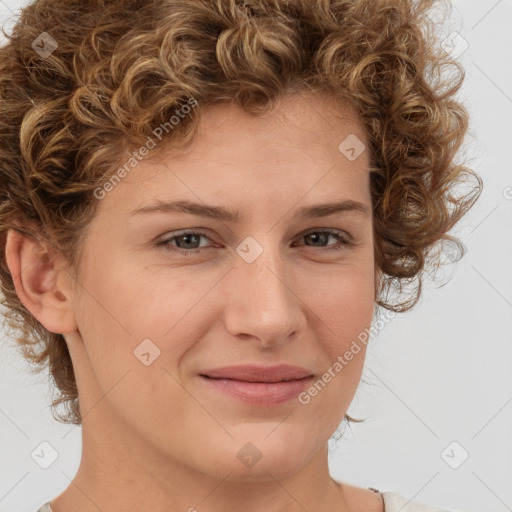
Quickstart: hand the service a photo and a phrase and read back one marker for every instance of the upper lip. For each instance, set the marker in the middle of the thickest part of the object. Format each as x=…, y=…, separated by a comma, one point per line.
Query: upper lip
x=251, y=373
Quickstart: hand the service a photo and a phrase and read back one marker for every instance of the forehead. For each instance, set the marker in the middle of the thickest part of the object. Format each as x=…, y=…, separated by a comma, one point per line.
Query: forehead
x=299, y=148
x=312, y=125
x=305, y=122
x=321, y=110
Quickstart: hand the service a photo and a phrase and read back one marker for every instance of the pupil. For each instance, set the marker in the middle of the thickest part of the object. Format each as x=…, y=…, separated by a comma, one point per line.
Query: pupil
x=318, y=235
x=187, y=237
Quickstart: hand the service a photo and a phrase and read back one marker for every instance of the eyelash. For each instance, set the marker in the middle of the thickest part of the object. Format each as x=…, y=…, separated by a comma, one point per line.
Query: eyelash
x=187, y=252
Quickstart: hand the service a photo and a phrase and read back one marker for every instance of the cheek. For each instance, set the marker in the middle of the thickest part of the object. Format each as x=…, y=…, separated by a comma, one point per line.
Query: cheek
x=344, y=302
x=344, y=308
x=111, y=318
x=128, y=317
x=345, y=313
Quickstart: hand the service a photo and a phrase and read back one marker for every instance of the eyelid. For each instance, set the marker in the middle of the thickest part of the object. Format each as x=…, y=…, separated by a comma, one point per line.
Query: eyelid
x=333, y=231
x=171, y=235
x=344, y=238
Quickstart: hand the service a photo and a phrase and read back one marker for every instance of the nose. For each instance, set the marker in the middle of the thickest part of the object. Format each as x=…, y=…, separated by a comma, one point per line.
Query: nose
x=263, y=304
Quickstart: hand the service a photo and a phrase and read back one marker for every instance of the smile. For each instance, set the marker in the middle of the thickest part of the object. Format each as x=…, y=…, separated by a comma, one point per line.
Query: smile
x=260, y=386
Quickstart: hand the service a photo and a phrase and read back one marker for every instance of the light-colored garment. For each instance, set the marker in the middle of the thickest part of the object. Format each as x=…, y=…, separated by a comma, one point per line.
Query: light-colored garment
x=393, y=502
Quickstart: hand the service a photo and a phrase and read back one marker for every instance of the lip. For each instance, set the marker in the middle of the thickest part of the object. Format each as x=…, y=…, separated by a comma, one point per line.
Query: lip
x=259, y=385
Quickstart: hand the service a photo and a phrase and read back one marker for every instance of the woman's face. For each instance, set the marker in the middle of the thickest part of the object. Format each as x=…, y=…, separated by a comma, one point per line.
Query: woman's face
x=162, y=314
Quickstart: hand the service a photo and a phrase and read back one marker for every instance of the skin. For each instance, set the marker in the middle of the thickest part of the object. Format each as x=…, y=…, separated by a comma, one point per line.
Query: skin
x=157, y=437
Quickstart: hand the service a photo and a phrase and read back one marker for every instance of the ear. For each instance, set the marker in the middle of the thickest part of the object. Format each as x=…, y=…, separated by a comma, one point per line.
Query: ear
x=41, y=280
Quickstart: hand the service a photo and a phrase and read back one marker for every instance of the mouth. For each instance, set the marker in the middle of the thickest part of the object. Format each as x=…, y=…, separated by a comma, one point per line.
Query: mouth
x=260, y=386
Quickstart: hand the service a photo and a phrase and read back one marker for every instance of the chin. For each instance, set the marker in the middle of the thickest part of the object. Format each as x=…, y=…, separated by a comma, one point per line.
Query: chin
x=258, y=456
x=273, y=467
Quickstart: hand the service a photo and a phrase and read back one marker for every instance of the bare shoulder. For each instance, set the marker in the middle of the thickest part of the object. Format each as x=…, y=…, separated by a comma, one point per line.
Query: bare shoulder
x=361, y=499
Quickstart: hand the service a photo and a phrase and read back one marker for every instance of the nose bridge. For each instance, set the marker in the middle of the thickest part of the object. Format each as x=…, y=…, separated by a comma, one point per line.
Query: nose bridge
x=265, y=304
x=262, y=269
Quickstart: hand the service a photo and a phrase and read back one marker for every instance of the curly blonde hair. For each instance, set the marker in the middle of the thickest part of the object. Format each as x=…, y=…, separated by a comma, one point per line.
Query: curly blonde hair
x=122, y=68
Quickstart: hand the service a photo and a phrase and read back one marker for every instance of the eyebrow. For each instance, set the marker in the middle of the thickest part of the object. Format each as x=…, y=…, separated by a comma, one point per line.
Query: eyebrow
x=223, y=214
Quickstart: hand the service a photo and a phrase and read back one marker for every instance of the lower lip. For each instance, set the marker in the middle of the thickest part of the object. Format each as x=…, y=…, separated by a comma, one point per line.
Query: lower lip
x=260, y=393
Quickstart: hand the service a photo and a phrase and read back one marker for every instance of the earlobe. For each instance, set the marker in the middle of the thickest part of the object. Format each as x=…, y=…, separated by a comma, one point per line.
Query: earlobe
x=35, y=269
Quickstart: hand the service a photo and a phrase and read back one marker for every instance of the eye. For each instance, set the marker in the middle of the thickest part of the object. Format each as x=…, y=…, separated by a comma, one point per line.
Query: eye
x=184, y=240
x=188, y=242
x=323, y=235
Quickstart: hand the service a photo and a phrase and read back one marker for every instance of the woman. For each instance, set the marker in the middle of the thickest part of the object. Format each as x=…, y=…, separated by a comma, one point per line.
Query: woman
x=203, y=204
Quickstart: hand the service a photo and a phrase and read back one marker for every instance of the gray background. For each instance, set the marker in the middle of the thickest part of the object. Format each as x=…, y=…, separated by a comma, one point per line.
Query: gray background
x=434, y=376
